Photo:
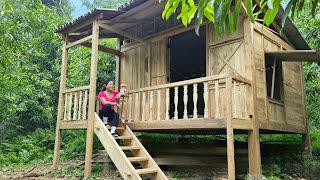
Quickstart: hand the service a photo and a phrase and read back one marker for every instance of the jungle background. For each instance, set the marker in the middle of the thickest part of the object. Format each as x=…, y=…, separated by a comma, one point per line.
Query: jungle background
x=30, y=57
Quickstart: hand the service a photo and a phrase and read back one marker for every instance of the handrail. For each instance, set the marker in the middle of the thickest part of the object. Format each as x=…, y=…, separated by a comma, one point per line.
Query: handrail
x=241, y=79
x=181, y=83
x=76, y=89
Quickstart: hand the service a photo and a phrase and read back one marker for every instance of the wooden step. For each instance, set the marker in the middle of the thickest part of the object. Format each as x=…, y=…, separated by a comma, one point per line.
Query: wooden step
x=146, y=171
x=137, y=159
x=123, y=137
x=130, y=147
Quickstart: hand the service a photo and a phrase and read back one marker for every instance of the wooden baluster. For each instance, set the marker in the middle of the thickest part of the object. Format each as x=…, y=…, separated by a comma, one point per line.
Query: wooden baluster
x=151, y=106
x=137, y=107
x=239, y=99
x=242, y=101
x=246, y=115
x=167, y=103
x=159, y=105
x=84, y=105
x=217, y=97
x=75, y=106
x=65, y=106
x=69, y=106
x=143, y=118
x=236, y=101
x=195, y=100
x=175, y=103
x=130, y=107
x=185, y=101
x=206, y=100
x=79, y=106
x=233, y=105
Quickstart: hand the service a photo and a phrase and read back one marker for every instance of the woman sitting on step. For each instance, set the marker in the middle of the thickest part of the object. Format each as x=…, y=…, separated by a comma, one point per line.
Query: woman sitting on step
x=109, y=99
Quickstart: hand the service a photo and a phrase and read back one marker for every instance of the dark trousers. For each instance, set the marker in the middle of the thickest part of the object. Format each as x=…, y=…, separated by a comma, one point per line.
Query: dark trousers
x=113, y=117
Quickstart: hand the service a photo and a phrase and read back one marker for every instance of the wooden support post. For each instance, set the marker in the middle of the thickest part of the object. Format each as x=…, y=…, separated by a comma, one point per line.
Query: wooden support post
x=63, y=77
x=253, y=135
x=118, y=61
x=254, y=153
x=92, y=98
x=230, y=136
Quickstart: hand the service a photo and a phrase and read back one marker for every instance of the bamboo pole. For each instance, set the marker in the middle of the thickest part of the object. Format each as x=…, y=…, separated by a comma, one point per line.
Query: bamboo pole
x=92, y=98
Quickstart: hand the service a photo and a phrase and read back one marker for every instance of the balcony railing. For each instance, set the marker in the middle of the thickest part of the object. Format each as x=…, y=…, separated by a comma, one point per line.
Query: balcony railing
x=201, y=98
x=76, y=104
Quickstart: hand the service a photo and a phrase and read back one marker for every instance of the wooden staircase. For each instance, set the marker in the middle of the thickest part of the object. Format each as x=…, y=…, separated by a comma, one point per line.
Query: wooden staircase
x=125, y=151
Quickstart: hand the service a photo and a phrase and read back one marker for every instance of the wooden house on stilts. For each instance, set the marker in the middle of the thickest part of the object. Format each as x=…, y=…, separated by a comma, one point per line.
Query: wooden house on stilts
x=248, y=82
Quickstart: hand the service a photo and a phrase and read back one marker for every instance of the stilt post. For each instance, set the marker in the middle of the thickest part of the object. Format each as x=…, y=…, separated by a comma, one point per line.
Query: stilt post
x=92, y=98
x=60, y=103
x=253, y=135
x=230, y=136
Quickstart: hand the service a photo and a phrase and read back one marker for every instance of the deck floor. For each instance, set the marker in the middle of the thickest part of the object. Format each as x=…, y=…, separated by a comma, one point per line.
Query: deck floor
x=179, y=125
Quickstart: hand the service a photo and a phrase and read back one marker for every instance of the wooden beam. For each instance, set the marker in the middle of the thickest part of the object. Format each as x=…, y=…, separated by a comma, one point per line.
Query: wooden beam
x=92, y=98
x=63, y=78
x=83, y=24
x=296, y=55
x=179, y=124
x=283, y=127
x=123, y=33
x=80, y=41
x=78, y=124
x=105, y=49
x=242, y=124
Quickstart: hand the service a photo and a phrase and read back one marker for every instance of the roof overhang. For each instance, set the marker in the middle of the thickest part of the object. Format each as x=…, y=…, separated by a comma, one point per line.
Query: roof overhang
x=296, y=55
x=137, y=11
x=291, y=31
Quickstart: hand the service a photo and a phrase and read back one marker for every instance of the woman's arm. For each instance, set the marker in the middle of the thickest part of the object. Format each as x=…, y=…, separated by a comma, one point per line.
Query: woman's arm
x=104, y=102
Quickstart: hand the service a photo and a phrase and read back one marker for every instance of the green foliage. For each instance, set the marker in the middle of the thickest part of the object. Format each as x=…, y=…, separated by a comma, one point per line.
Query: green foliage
x=309, y=27
x=34, y=147
x=224, y=13
x=272, y=172
x=28, y=66
x=30, y=57
x=37, y=147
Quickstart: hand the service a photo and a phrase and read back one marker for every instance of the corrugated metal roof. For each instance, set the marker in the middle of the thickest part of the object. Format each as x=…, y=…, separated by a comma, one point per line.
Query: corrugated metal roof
x=290, y=30
x=106, y=13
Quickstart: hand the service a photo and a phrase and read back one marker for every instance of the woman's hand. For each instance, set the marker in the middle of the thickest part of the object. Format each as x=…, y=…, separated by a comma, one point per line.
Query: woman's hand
x=117, y=104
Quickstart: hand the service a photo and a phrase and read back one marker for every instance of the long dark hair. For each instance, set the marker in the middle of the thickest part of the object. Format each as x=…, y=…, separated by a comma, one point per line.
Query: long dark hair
x=103, y=88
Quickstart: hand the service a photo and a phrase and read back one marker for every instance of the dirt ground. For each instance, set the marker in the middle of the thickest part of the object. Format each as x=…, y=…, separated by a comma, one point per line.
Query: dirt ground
x=74, y=170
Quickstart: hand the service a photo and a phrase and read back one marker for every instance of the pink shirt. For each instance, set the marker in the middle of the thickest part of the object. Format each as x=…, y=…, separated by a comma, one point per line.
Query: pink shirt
x=113, y=98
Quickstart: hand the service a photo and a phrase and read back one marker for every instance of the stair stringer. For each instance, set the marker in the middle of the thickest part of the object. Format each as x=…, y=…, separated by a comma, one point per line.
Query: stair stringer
x=115, y=153
x=144, y=153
